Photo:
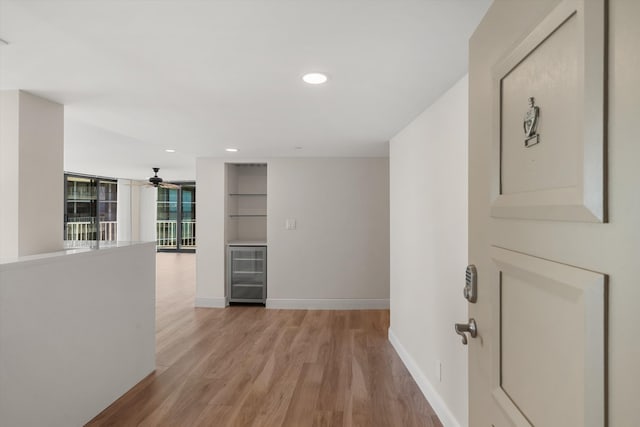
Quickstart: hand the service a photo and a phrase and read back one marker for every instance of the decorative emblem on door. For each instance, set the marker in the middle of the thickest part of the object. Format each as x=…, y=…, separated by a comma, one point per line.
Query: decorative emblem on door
x=531, y=137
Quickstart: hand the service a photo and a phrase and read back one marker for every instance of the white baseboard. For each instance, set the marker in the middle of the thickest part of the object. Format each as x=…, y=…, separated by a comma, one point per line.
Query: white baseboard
x=328, y=304
x=428, y=390
x=211, y=302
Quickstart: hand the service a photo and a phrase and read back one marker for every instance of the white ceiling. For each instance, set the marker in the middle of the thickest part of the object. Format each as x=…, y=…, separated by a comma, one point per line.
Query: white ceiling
x=137, y=77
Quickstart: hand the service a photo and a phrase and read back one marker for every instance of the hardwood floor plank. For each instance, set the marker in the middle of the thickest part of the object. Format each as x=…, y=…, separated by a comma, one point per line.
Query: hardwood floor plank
x=305, y=396
x=249, y=366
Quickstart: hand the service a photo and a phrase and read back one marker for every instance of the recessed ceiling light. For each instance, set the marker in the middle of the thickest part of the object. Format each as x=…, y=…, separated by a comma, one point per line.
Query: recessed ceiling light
x=231, y=150
x=314, y=78
x=170, y=150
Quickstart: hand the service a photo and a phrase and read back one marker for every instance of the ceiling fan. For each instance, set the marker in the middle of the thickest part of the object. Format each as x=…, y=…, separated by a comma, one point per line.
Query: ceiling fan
x=156, y=181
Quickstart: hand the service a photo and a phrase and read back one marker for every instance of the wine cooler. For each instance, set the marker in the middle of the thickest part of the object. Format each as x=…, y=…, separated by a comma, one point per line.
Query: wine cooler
x=247, y=274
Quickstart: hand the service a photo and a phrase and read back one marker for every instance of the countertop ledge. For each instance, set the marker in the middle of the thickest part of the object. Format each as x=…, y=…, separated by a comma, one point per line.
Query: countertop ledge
x=47, y=257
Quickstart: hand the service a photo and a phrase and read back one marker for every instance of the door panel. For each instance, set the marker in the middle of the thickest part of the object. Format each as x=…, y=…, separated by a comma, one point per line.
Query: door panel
x=550, y=72
x=550, y=365
x=558, y=66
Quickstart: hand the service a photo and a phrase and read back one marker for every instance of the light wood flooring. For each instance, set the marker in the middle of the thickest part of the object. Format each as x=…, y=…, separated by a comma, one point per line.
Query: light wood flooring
x=249, y=366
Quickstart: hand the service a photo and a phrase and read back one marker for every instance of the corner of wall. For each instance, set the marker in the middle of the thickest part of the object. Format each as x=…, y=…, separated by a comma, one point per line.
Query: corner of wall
x=428, y=390
x=210, y=255
x=428, y=250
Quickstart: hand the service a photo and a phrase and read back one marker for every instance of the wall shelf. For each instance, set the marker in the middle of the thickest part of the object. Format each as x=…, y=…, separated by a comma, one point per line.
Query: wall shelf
x=246, y=224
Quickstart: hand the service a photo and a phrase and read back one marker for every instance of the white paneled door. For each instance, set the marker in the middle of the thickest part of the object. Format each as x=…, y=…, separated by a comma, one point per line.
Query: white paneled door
x=554, y=214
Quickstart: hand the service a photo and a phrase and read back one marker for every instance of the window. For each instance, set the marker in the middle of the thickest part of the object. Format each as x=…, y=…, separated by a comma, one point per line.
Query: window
x=176, y=218
x=91, y=205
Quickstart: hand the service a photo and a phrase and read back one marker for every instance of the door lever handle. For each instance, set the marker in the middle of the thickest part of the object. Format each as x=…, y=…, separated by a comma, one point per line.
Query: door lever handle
x=462, y=328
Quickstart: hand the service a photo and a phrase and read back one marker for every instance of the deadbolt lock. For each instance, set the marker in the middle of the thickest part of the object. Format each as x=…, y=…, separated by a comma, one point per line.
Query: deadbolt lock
x=470, y=290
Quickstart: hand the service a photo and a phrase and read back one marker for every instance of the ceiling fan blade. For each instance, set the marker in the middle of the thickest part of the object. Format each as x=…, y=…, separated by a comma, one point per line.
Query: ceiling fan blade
x=161, y=185
x=168, y=185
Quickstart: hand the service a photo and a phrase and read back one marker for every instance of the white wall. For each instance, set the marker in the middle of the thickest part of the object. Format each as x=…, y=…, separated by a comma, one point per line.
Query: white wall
x=340, y=248
x=137, y=211
x=32, y=149
x=428, y=173
x=210, y=252
x=76, y=332
x=148, y=213
x=338, y=255
x=9, y=172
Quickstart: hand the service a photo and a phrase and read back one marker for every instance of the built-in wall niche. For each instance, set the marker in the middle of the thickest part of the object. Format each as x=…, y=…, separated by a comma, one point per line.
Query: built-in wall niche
x=246, y=202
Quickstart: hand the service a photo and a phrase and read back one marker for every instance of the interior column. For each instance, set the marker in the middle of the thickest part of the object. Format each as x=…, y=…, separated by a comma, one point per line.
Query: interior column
x=31, y=174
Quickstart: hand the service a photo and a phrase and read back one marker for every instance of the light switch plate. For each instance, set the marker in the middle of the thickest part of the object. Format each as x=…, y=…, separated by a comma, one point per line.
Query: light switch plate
x=290, y=224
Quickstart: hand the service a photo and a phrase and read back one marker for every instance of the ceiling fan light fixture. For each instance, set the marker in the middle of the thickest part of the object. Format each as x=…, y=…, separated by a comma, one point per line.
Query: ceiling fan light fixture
x=315, y=78
x=155, y=179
